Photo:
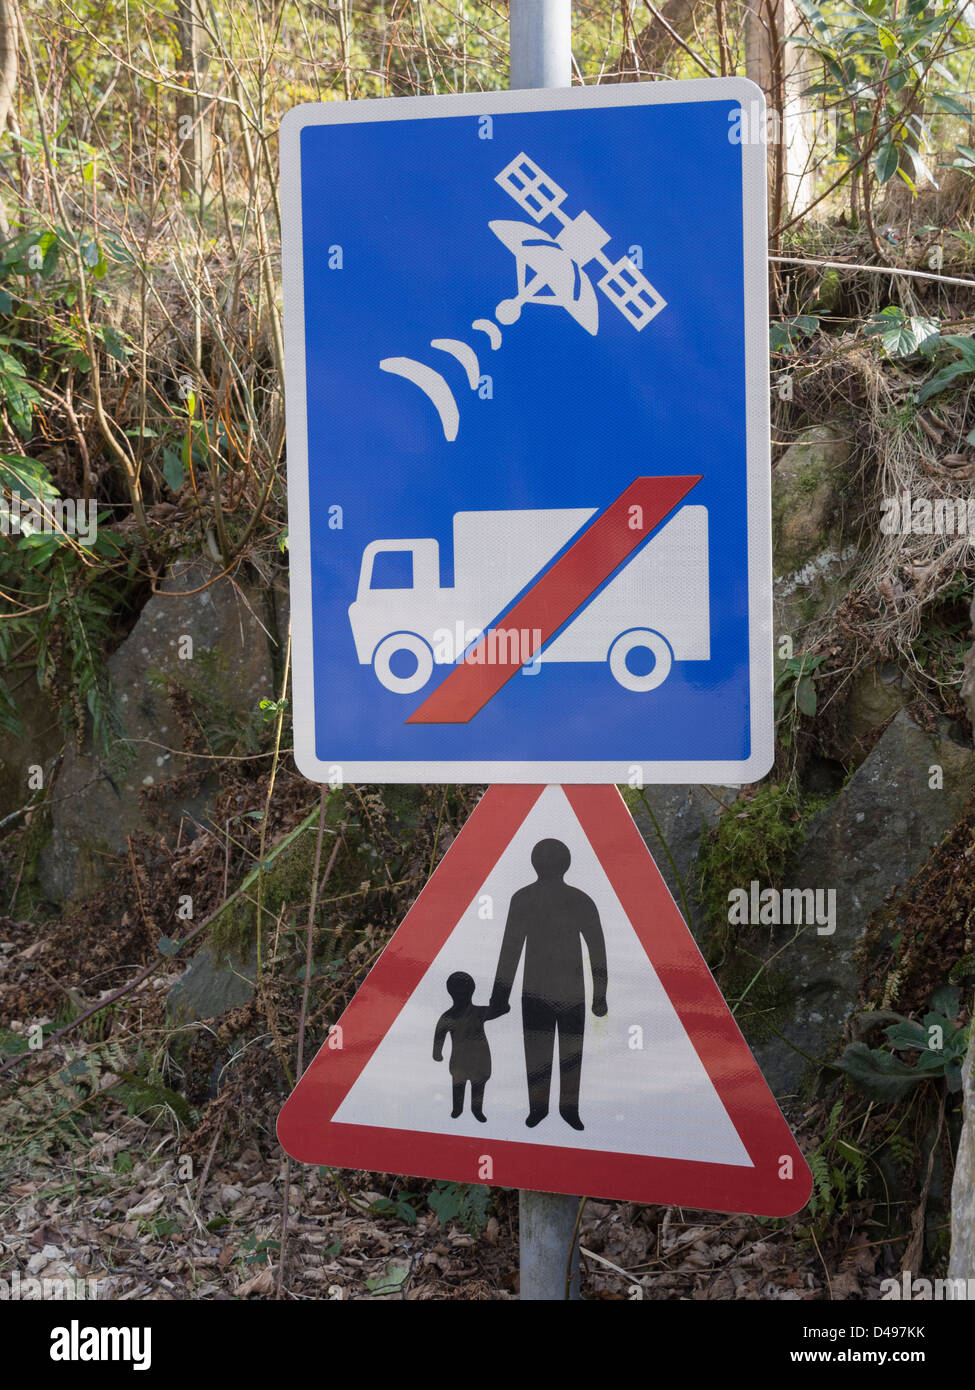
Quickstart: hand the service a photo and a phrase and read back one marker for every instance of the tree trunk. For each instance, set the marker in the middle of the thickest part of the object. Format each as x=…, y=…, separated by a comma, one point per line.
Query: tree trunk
x=654, y=45
x=193, y=127
x=8, y=81
x=781, y=70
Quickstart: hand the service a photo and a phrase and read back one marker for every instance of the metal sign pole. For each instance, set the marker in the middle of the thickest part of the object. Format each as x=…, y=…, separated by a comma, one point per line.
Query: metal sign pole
x=541, y=43
x=541, y=56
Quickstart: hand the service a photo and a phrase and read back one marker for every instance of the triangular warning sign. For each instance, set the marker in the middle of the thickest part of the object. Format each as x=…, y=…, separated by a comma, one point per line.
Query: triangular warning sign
x=583, y=1044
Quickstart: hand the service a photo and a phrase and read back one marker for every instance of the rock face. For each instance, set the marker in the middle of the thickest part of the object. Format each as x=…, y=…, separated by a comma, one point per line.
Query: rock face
x=871, y=839
x=212, y=643
x=36, y=745
x=682, y=813
x=809, y=554
x=961, y=1263
x=878, y=693
x=213, y=983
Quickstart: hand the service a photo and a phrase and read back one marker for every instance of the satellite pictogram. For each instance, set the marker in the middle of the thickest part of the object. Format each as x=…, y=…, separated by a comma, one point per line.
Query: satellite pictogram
x=551, y=271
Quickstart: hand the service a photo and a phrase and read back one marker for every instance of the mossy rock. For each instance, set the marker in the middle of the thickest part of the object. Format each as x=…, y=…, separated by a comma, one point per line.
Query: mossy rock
x=286, y=878
x=811, y=559
x=806, y=486
x=758, y=995
x=31, y=900
x=221, y=975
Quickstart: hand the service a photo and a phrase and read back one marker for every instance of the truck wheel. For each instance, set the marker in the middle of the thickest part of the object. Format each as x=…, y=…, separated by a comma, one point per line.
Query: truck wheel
x=640, y=638
x=388, y=649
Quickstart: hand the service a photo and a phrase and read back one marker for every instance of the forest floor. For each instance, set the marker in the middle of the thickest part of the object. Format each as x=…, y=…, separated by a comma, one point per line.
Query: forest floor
x=162, y=1205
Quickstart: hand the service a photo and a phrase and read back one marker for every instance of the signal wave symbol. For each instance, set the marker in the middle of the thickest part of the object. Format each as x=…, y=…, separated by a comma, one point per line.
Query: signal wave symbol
x=551, y=270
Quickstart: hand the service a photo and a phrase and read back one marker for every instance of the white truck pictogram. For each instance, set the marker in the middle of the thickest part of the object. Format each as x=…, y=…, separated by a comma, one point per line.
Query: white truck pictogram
x=656, y=609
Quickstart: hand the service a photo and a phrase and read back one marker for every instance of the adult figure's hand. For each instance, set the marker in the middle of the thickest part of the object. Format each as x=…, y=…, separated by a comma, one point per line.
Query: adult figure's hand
x=499, y=1005
x=599, y=1007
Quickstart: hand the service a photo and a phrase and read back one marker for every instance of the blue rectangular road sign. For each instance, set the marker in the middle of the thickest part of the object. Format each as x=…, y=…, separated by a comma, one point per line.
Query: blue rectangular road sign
x=528, y=439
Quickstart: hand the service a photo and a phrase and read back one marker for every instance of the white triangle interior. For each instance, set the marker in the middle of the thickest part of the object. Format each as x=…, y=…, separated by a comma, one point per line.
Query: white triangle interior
x=644, y=1089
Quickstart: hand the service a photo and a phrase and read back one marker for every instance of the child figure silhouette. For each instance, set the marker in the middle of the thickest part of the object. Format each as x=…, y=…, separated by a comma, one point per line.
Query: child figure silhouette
x=470, y=1055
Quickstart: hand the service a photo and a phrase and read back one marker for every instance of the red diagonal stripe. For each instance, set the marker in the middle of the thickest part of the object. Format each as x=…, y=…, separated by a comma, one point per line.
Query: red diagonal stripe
x=563, y=589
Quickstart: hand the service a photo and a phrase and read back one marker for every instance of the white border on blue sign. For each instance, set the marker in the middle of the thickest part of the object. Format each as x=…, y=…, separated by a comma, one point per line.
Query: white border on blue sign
x=755, y=280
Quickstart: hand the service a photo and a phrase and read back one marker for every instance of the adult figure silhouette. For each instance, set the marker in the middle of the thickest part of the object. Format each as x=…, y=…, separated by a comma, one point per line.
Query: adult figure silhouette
x=549, y=921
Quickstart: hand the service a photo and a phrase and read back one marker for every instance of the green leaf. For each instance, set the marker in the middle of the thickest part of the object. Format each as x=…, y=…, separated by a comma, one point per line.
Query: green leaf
x=444, y=1202
x=951, y=104
x=886, y=161
x=965, y=237
x=783, y=333
x=391, y=1280
x=26, y=476
x=900, y=342
x=920, y=168
x=113, y=343
x=901, y=336
x=947, y=999
x=965, y=345
x=879, y=1074
x=12, y=1044
x=173, y=470
x=888, y=42
x=387, y=1207
x=806, y=696
x=904, y=1036
x=167, y=946
x=942, y=379
x=778, y=338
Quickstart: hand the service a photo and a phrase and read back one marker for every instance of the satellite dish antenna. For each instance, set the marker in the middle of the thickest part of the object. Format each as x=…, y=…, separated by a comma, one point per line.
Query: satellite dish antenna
x=547, y=274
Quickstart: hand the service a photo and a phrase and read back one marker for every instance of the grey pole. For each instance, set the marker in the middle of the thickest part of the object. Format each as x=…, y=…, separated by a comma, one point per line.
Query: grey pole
x=541, y=43
x=541, y=56
x=546, y=1226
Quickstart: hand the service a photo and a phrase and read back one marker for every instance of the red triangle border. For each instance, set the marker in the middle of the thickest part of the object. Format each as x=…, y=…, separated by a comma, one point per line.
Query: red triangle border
x=778, y=1184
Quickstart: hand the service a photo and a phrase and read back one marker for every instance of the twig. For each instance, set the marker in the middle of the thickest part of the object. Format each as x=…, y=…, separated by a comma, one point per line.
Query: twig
x=601, y=1259
x=572, y=1246
x=915, y=1246
x=270, y=792
x=829, y=1285
x=284, y=1225
x=213, y=1148
x=876, y=270
x=143, y=974
x=304, y=1007
x=311, y=931
x=135, y=880
x=679, y=41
